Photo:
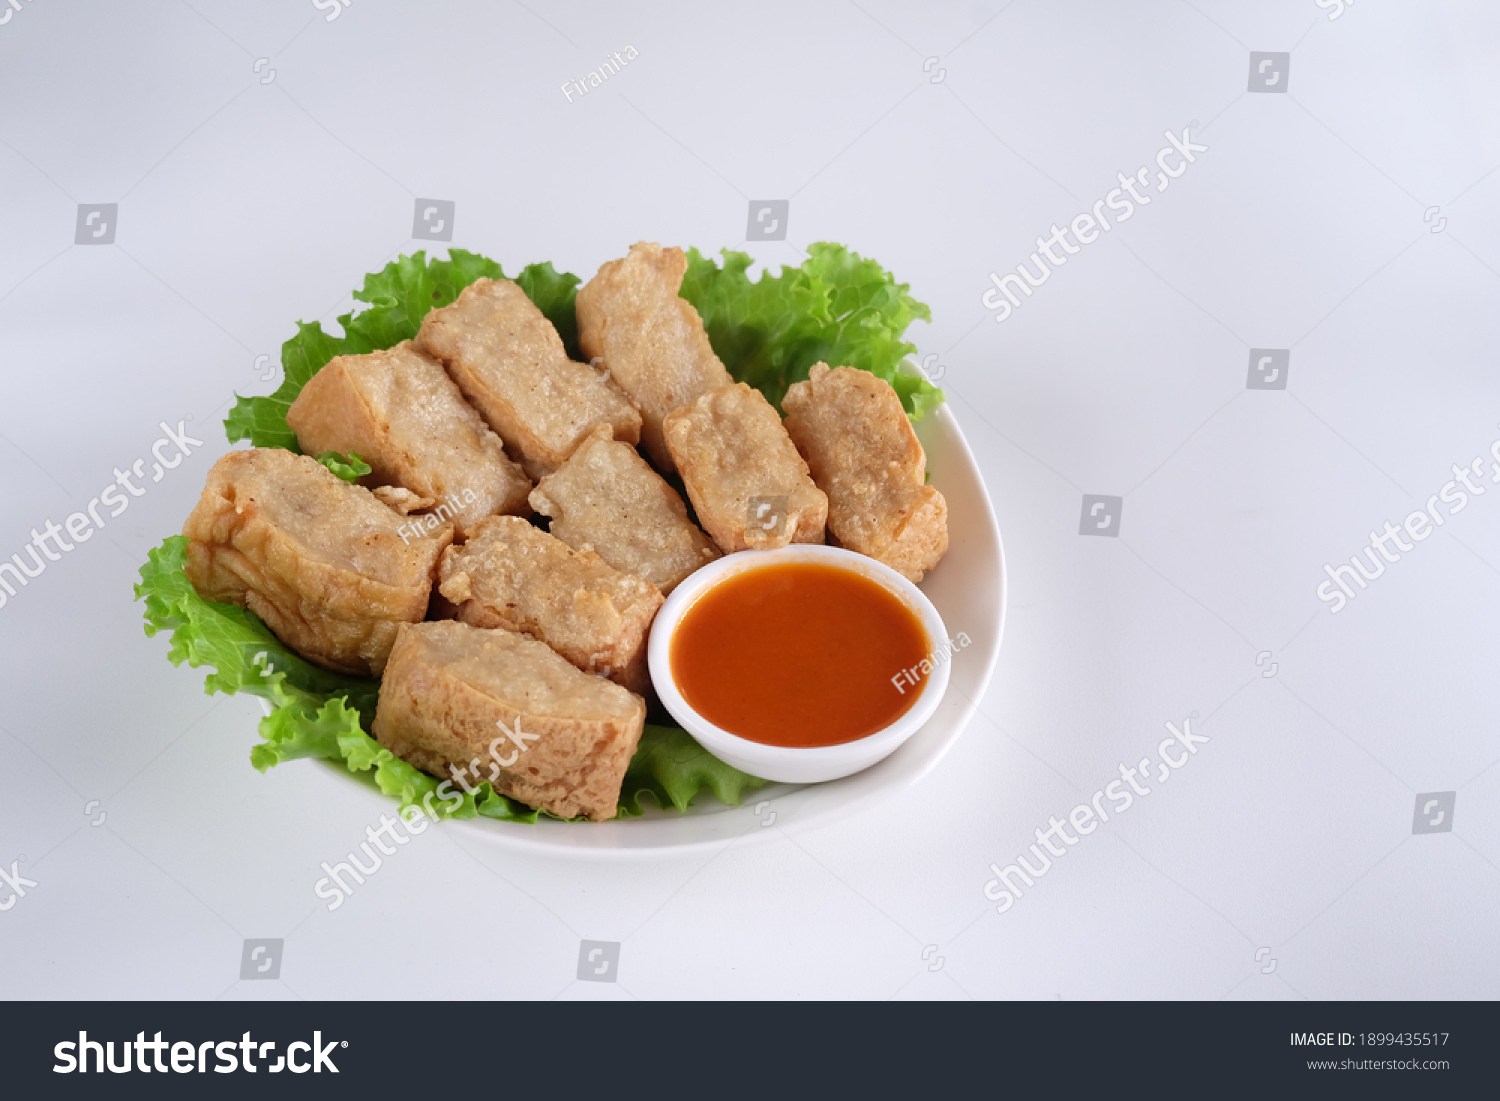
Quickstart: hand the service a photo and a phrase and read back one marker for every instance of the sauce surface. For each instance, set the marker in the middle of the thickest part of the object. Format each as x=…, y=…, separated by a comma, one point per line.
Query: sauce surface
x=799, y=654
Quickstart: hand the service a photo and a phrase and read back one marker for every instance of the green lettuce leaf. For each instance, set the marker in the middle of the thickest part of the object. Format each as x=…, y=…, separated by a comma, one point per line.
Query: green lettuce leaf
x=553, y=292
x=837, y=307
x=317, y=713
x=334, y=732
x=262, y=419
x=350, y=468
x=673, y=769
x=244, y=654
x=326, y=715
x=398, y=297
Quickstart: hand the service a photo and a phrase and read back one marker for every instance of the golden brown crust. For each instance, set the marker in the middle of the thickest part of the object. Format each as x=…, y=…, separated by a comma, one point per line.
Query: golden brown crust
x=735, y=457
x=402, y=414
x=607, y=499
x=632, y=319
x=322, y=562
x=567, y=737
x=512, y=575
x=850, y=427
x=510, y=363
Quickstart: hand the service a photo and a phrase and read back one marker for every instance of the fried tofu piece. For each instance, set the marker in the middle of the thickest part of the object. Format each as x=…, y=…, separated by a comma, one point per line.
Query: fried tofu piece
x=510, y=363
x=749, y=486
x=512, y=575
x=608, y=500
x=651, y=340
x=321, y=561
x=469, y=704
x=860, y=447
x=401, y=499
x=402, y=414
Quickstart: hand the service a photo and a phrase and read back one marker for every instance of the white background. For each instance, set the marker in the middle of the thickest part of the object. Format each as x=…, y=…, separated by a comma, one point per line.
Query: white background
x=244, y=206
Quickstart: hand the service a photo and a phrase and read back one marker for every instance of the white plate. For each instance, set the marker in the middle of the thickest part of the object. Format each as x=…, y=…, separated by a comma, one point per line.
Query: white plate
x=968, y=588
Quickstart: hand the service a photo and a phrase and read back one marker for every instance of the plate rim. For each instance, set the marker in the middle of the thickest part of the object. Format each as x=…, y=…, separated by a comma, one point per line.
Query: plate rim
x=510, y=838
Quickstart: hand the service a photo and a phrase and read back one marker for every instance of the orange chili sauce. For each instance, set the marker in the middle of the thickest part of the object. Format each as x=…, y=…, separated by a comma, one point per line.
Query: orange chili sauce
x=799, y=654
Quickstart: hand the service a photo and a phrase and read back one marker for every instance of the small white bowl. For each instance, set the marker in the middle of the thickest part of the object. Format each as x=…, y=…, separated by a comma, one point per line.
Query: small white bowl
x=792, y=764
